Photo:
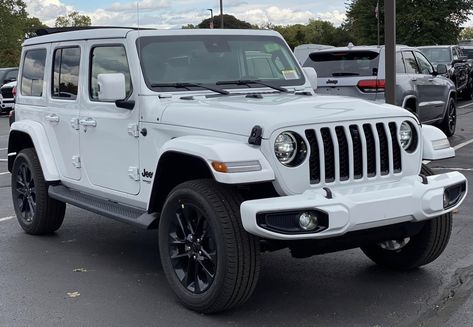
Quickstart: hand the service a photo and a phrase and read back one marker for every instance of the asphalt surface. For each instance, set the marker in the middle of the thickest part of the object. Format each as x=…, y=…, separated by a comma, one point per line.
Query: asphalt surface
x=115, y=270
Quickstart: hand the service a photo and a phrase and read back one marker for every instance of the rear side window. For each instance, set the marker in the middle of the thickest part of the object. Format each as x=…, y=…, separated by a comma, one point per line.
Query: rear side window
x=349, y=63
x=108, y=59
x=66, y=73
x=410, y=62
x=400, y=68
x=11, y=76
x=32, y=78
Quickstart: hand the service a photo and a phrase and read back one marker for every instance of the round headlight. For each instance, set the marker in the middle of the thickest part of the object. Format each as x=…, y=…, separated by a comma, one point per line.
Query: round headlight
x=290, y=149
x=285, y=147
x=406, y=135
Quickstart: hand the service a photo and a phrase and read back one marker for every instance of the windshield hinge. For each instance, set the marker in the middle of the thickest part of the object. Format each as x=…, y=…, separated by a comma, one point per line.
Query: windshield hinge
x=256, y=135
x=133, y=130
x=76, y=161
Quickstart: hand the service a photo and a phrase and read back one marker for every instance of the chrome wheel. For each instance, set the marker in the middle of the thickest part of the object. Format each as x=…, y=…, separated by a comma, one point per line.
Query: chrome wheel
x=192, y=248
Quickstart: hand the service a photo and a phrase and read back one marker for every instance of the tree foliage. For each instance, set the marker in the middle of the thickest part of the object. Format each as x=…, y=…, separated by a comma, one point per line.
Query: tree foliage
x=466, y=33
x=418, y=22
x=229, y=21
x=73, y=19
x=15, y=25
x=316, y=31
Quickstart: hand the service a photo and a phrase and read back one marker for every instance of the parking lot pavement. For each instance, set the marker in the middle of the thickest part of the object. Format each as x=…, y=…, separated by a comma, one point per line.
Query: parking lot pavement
x=98, y=272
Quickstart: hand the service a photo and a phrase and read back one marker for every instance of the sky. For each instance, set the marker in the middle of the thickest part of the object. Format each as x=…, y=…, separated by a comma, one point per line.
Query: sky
x=176, y=13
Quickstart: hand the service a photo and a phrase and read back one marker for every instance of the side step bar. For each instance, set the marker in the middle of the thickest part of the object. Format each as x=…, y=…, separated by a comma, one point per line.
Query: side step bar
x=124, y=213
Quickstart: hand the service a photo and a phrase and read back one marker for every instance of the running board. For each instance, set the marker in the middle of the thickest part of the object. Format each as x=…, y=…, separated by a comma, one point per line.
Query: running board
x=104, y=207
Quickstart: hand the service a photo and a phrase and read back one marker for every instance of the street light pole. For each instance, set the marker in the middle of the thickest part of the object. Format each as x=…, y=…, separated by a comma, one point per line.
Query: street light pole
x=211, y=18
x=390, y=49
x=221, y=14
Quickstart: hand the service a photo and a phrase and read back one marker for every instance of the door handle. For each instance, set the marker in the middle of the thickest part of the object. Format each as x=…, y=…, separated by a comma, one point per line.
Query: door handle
x=431, y=79
x=414, y=79
x=52, y=118
x=88, y=122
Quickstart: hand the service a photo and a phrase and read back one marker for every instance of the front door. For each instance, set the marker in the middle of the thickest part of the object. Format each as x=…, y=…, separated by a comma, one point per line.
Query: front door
x=108, y=139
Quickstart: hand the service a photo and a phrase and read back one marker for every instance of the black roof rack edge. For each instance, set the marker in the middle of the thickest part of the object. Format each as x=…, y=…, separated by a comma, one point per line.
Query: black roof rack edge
x=54, y=30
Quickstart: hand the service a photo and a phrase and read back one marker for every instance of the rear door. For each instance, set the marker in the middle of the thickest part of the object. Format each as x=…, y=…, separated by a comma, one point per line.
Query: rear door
x=347, y=72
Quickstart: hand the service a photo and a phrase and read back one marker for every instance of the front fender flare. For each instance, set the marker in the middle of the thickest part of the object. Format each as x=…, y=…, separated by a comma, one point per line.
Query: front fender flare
x=41, y=144
x=435, y=144
x=212, y=149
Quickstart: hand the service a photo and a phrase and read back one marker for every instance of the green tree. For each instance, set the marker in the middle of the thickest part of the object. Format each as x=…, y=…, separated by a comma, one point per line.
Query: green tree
x=466, y=33
x=73, y=19
x=418, y=22
x=15, y=25
x=229, y=21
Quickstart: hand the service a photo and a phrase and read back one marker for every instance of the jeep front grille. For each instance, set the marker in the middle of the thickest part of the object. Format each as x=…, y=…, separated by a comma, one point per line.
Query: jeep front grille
x=353, y=152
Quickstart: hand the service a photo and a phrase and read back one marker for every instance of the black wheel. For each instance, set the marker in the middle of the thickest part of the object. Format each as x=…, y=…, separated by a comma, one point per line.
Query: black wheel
x=419, y=249
x=209, y=260
x=449, y=123
x=36, y=212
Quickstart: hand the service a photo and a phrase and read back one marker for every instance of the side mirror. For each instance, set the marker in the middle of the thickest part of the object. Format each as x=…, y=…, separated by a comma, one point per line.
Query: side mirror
x=441, y=69
x=311, y=76
x=111, y=87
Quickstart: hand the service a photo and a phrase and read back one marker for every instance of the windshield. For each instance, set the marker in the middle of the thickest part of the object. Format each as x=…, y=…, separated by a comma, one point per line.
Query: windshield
x=437, y=54
x=344, y=63
x=208, y=59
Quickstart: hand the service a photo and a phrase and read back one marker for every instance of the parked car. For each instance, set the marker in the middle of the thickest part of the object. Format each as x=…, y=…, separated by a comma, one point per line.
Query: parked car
x=7, y=97
x=303, y=51
x=467, y=48
x=8, y=75
x=458, y=69
x=359, y=71
x=165, y=128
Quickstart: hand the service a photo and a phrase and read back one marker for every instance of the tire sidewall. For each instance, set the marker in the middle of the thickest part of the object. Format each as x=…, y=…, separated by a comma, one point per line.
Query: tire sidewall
x=28, y=157
x=194, y=301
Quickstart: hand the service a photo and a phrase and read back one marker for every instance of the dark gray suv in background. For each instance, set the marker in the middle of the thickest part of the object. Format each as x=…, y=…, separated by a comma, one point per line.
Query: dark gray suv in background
x=359, y=71
x=458, y=68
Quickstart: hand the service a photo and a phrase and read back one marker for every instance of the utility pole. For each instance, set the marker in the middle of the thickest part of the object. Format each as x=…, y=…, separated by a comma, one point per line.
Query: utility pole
x=211, y=18
x=390, y=50
x=221, y=14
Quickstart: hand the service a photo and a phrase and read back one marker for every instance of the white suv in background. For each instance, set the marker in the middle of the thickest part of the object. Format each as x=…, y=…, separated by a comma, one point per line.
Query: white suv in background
x=217, y=138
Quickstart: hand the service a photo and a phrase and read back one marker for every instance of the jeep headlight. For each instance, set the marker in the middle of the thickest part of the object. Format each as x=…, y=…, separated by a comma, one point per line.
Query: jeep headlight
x=408, y=136
x=290, y=149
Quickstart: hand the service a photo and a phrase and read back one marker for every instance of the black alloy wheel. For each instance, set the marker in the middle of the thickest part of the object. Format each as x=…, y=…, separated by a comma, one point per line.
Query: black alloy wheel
x=36, y=212
x=210, y=261
x=25, y=193
x=449, y=122
x=192, y=248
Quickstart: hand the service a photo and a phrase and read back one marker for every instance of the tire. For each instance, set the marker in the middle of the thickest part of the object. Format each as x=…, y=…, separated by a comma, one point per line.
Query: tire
x=421, y=249
x=449, y=122
x=227, y=266
x=36, y=212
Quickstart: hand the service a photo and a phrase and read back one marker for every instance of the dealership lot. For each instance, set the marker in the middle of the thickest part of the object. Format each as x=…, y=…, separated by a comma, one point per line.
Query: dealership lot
x=96, y=271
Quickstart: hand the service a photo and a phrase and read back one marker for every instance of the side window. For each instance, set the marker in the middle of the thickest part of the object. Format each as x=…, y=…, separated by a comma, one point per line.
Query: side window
x=410, y=62
x=108, y=59
x=32, y=78
x=425, y=66
x=66, y=73
x=400, y=68
x=455, y=54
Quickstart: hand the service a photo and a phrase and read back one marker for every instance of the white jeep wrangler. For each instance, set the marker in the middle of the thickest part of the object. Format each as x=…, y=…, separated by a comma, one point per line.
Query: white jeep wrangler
x=217, y=138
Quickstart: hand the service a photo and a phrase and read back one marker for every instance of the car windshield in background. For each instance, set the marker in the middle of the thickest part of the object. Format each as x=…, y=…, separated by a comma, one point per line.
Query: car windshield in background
x=437, y=55
x=346, y=63
x=468, y=53
x=208, y=59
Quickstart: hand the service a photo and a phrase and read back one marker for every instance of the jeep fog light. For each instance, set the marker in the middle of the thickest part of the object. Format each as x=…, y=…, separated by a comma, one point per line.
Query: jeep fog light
x=308, y=221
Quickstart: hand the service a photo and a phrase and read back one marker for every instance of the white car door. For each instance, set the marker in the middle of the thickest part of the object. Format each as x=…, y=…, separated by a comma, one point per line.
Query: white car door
x=61, y=114
x=109, y=145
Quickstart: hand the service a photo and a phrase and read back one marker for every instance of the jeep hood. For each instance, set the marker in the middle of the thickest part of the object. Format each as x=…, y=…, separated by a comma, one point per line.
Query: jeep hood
x=238, y=114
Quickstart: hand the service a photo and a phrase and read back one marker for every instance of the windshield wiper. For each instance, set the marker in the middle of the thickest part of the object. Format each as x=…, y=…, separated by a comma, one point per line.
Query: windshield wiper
x=187, y=85
x=249, y=81
x=345, y=74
